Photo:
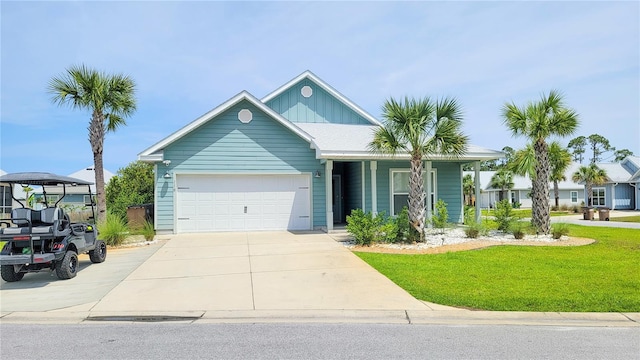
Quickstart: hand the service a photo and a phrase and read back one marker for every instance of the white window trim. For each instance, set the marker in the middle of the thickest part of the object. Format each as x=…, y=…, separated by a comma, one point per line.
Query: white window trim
x=434, y=171
x=604, y=196
x=571, y=196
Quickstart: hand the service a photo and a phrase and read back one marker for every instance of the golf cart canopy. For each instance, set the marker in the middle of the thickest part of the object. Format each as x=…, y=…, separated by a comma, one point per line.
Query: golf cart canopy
x=41, y=178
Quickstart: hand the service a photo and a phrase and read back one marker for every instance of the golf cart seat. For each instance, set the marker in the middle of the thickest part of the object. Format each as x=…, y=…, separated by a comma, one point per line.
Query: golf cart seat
x=48, y=221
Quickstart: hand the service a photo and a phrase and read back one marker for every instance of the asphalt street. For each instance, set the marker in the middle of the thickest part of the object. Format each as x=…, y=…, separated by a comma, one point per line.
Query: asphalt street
x=314, y=341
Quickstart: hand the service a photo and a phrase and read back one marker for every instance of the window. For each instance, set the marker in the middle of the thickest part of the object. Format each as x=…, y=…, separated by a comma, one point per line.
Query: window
x=400, y=189
x=51, y=199
x=87, y=200
x=5, y=197
x=574, y=196
x=597, y=197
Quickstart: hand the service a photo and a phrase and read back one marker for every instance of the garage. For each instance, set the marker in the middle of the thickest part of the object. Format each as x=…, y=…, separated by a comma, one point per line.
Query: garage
x=207, y=203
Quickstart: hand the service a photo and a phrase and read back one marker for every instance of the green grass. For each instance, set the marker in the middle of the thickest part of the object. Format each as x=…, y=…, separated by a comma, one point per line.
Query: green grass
x=526, y=213
x=627, y=219
x=602, y=277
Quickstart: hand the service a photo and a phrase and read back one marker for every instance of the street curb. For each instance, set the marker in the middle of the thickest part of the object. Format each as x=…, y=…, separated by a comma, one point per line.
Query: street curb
x=398, y=317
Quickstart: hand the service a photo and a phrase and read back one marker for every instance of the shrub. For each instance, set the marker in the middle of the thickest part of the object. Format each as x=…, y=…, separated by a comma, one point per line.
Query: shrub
x=113, y=230
x=504, y=215
x=558, y=230
x=406, y=232
x=148, y=231
x=364, y=227
x=518, y=228
x=475, y=229
x=469, y=215
x=564, y=207
x=575, y=209
x=441, y=217
x=516, y=205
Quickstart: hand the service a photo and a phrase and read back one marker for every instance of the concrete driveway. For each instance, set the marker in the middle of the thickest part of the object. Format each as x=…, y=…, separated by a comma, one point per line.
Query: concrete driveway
x=216, y=272
x=245, y=277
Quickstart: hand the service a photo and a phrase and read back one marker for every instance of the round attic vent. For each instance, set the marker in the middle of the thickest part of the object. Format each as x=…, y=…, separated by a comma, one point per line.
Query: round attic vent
x=306, y=91
x=245, y=116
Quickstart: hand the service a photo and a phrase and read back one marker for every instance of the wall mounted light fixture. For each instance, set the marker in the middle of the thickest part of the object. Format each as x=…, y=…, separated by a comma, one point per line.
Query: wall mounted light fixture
x=317, y=174
x=166, y=175
x=166, y=162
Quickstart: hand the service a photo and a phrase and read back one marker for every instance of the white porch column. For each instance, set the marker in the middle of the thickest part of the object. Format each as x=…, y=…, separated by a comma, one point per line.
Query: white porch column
x=328, y=186
x=364, y=187
x=374, y=188
x=476, y=168
x=613, y=196
x=427, y=170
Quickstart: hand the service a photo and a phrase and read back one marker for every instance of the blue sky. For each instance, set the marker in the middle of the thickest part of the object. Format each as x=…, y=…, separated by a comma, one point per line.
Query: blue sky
x=189, y=57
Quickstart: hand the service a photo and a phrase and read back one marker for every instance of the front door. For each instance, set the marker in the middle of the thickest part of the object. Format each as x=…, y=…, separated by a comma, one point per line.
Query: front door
x=337, y=198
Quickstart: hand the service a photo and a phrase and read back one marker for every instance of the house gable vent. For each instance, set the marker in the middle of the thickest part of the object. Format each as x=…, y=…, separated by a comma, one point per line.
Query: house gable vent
x=306, y=91
x=245, y=116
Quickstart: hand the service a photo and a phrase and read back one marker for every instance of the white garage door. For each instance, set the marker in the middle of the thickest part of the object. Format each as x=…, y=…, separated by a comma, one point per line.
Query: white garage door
x=243, y=202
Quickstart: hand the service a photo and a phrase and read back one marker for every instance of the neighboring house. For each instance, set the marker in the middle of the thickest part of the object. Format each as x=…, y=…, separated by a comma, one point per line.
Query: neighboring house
x=298, y=159
x=622, y=190
x=570, y=193
x=75, y=195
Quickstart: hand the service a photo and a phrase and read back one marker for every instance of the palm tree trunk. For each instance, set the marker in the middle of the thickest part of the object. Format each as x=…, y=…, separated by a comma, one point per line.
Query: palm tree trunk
x=540, y=206
x=416, y=197
x=96, y=138
x=556, y=194
x=589, y=194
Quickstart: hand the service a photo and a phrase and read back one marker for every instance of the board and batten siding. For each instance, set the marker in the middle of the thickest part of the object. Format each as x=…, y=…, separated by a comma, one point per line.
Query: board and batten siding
x=320, y=107
x=224, y=145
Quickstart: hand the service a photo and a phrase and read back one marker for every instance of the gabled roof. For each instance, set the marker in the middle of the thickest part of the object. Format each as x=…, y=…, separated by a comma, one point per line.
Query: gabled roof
x=154, y=153
x=326, y=87
x=344, y=141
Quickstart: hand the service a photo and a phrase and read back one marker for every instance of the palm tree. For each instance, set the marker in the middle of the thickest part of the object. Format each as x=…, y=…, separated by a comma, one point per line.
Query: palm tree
x=110, y=98
x=590, y=175
x=421, y=128
x=559, y=160
x=503, y=180
x=468, y=189
x=539, y=121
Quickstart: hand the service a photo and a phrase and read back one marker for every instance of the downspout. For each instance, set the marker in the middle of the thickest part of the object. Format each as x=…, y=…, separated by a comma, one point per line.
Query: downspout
x=476, y=168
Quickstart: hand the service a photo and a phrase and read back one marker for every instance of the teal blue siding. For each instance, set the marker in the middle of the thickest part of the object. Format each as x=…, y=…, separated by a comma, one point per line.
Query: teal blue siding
x=449, y=188
x=225, y=145
x=449, y=185
x=321, y=107
x=353, y=175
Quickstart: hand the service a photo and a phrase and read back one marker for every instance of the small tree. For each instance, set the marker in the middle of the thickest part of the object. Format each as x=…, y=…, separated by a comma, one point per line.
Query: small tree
x=132, y=185
x=590, y=175
x=441, y=218
x=504, y=215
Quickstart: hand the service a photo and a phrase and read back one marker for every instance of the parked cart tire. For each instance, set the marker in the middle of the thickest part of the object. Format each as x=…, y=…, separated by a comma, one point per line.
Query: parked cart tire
x=9, y=274
x=68, y=267
x=99, y=254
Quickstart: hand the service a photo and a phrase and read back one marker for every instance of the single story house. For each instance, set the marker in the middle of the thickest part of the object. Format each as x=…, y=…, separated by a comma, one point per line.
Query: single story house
x=622, y=189
x=6, y=202
x=75, y=195
x=297, y=159
x=570, y=193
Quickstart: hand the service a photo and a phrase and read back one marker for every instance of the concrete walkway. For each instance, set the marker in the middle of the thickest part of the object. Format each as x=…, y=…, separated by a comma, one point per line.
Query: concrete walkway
x=245, y=277
x=578, y=219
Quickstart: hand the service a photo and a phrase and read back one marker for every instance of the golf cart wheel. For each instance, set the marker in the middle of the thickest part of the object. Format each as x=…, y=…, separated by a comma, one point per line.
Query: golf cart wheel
x=9, y=274
x=68, y=266
x=99, y=254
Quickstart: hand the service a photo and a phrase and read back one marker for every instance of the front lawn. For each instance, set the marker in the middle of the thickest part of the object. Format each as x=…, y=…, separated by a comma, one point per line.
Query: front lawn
x=602, y=277
x=635, y=219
